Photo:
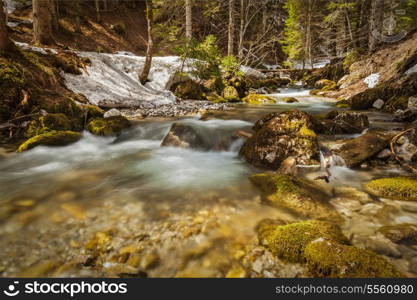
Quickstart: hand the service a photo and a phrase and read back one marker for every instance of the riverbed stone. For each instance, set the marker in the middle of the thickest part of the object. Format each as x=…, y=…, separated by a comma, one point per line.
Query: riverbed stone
x=396, y=188
x=400, y=232
x=279, y=136
x=183, y=136
x=357, y=150
x=296, y=194
x=346, y=123
x=114, y=112
x=378, y=104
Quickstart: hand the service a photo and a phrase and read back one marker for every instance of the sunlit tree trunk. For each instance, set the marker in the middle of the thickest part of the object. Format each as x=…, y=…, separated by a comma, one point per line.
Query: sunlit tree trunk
x=42, y=22
x=231, y=28
x=242, y=27
x=149, y=52
x=5, y=42
x=188, y=19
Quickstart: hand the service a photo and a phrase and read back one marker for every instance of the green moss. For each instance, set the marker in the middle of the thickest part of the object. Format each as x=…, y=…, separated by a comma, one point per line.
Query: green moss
x=108, y=127
x=230, y=94
x=216, y=98
x=343, y=103
x=397, y=188
x=47, y=123
x=35, y=60
x=328, y=258
x=289, y=241
x=258, y=99
x=53, y=138
x=11, y=75
x=306, y=132
x=296, y=194
x=400, y=232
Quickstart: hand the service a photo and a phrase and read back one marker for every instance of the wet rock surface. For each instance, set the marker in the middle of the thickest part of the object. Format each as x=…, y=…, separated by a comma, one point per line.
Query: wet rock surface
x=357, y=150
x=279, y=136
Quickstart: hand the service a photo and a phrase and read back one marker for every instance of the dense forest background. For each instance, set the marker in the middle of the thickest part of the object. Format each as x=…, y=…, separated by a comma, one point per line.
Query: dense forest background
x=269, y=32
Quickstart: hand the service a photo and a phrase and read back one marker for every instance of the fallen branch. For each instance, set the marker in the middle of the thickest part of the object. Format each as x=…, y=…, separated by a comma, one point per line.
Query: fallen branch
x=397, y=158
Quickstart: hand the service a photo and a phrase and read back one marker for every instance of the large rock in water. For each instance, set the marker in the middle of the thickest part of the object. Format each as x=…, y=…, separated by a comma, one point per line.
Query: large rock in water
x=296, y=194
x=52, y=138
x=183, y=136
x=282, y=135
x=357, y=150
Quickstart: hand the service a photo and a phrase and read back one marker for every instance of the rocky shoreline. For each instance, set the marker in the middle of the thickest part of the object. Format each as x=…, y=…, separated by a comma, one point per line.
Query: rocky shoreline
x=176, y=109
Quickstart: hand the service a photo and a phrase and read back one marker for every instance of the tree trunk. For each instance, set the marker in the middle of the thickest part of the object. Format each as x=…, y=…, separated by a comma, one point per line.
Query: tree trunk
x=97, y=4
x=364, y=24
x=149, y=52
x=188, y=19
x=242, y=27
x=231, y=29
x=5, y=42
x=42, y=22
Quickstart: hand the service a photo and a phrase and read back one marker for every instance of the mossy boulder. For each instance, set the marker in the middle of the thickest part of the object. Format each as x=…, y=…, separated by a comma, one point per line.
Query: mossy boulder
x=282, y=135
x=111, y=126
x=49, y=122
x=288, y=242
x=357, y=150
x=400, y=233
x=215, y=97
x=329, y=258
x=189, y=90
x=367, y=98
x=396, y=103
x=326, y=85
x=296, y=194
x=397, y=188
x=289, y=100
x=258, y=99
x=52, y=138
x=214, y=84
x=230, y=94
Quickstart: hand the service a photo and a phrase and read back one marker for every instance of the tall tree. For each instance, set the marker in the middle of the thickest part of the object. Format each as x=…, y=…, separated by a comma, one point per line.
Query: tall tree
x=231, y=28
x=242, y=17
x=43, y=11
x=149, y=52
x=5, y=42
x=188, y=19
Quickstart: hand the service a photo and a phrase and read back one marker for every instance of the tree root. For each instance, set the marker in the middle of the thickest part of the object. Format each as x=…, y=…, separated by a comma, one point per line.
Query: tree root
x=397, y=158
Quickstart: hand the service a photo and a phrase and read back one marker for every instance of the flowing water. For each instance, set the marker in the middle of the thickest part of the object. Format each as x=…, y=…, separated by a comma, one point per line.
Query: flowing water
x=181, y=212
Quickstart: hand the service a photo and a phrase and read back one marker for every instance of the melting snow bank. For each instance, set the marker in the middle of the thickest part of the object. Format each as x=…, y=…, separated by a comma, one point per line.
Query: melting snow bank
x=112, y=80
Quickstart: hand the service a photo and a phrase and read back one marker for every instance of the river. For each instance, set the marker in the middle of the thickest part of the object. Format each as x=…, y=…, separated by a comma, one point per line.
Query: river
x=180, y=212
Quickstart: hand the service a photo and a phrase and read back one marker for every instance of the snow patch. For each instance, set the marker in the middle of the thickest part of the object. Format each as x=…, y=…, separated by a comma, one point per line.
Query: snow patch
x=112, y=80
x=372, y=80
x=412, y=70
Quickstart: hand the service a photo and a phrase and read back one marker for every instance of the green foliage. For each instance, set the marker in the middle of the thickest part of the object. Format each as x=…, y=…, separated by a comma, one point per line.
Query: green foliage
x=205, y=60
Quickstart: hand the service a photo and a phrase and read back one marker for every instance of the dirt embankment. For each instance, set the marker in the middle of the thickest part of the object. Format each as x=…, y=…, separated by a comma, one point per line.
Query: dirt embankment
x=118, y=28
x=390, y=62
